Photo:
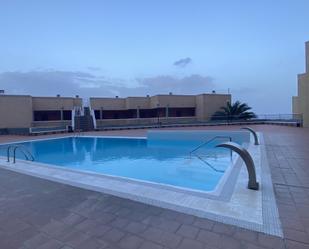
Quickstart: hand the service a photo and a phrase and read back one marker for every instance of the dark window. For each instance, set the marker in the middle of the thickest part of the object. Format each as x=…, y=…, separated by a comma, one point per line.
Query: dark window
x=152, y=113
x=67, y=115
x=181, y=112
x=46, y=115
x=119, y=114
x=97, y=114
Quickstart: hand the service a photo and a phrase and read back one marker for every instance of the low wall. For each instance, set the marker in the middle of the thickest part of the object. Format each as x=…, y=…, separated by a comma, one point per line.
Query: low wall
x=144, y=121
x=51, y=123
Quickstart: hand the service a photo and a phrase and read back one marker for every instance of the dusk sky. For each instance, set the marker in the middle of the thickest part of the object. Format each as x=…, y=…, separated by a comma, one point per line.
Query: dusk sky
x=107, y=48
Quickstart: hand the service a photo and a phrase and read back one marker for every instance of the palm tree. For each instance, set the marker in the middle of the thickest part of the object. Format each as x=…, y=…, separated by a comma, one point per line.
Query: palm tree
x=234, y=111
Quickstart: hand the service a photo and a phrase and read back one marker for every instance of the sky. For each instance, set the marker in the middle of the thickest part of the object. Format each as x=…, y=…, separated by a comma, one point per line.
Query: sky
x=252, y=49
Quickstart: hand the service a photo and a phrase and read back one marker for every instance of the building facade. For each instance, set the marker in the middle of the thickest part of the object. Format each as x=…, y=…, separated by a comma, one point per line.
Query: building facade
x=24, y=111
x=158, y=108
x=20, y=112
x=300, y=103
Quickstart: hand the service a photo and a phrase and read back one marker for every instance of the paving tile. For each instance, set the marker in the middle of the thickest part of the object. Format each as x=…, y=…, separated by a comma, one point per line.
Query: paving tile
x=73, y=219
x=190, y=244
x=296, y=235
x=210, y=238
x=55, y=228
x=270, y=241
x=248, y=245
x=74, y=238
x=66, y=247
x=113, y=235
x=229, y=242
x=188, y=231
x=246, y=235
x=36, y=240
x=90, y=243
x=135, y=227
x=167, y=239
x=296, y=245
x=14, y=226
x=120, y=222
x=150, y=245
x=51, y=244
x=204, y=223
x=86, y=225
x=164, y=224
x=224, y=229
x=185, y=219
x=17, y=239
x=99, y=230
x=130, y=242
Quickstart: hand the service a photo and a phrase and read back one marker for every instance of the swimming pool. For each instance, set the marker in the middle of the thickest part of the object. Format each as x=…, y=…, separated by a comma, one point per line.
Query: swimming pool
x=156, y=170
x=162, y=161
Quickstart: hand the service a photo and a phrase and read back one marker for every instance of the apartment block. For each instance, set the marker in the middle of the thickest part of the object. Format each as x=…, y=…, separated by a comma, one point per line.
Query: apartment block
x=300, y=103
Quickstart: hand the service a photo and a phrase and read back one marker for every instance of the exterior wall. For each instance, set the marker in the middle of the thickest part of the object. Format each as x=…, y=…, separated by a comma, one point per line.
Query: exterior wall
x=300, y=104
x=295, y=105
x=108, y=103
x=303, y=89
x=15, y=111
x=307, y=57
x=208, y=104
x=137, y=103
x=172, y=101
x=55, y=103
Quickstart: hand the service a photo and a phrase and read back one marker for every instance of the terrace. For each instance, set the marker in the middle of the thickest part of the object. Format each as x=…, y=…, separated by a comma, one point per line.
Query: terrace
x=37, y=213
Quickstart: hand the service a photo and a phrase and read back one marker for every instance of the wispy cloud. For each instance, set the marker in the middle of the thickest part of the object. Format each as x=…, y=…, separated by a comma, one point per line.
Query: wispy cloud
x=70, y=83
x=94, y=68
x=183, y=62
x=192, y=84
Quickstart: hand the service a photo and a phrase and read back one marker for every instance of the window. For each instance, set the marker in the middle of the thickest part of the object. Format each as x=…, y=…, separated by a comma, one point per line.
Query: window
x=152, y=113
x=46, y=115
x=67, y=115
x=119, y=114
x=181, y=112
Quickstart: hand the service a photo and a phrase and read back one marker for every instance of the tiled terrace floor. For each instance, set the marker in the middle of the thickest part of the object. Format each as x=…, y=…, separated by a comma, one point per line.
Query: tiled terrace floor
x=36, y=213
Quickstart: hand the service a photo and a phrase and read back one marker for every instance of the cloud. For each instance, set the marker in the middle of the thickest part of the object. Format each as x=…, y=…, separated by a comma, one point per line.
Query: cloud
x=183, y=62
x=52, y=82
x=94, y=68
x=192, y=84
x=85, y=84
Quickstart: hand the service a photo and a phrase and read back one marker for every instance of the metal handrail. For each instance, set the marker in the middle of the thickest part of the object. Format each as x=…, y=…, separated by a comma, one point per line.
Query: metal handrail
x=256, y=139
x=208, y=141
x=23, y=149
x=247, y=158
x=212, y=167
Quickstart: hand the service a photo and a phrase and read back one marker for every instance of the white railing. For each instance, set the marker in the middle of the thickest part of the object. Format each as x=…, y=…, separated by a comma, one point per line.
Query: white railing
x=93, y=118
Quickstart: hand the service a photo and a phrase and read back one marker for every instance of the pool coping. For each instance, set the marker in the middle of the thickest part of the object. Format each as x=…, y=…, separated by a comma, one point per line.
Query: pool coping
x=269, y=222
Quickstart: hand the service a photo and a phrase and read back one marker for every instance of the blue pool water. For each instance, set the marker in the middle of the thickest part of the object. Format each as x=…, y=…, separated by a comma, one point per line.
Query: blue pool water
x=137, y=159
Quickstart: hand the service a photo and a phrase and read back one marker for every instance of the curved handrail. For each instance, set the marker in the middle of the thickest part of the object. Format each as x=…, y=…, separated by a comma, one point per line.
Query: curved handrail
x=256, y=139
x=23, y=149
x=244, y=154
x=208, y=141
